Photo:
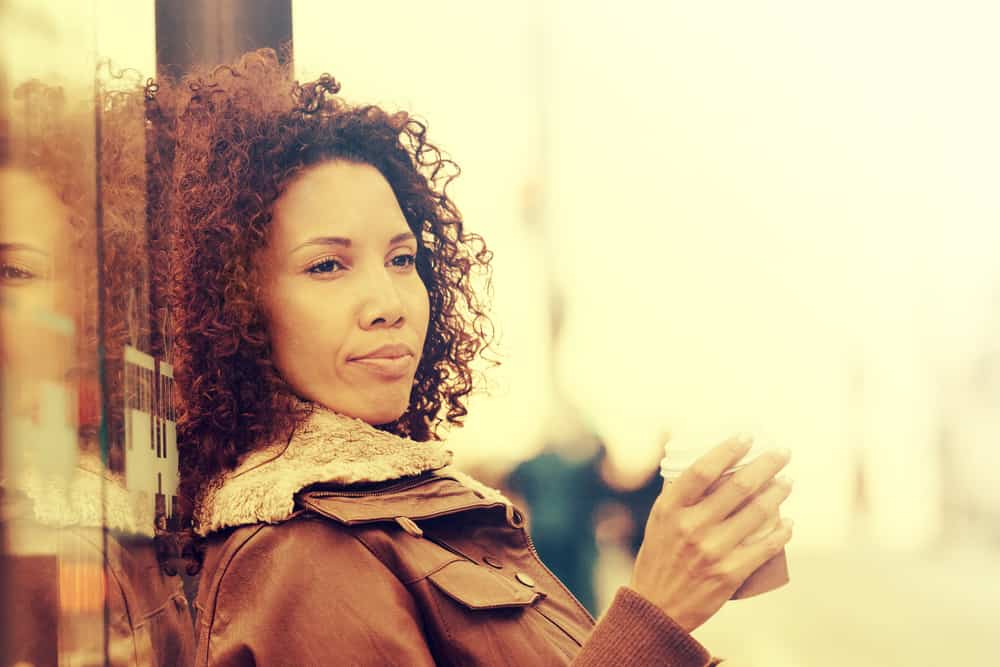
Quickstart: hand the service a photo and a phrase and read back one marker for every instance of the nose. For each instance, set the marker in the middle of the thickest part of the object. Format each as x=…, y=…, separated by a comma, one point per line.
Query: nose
x=381, y=305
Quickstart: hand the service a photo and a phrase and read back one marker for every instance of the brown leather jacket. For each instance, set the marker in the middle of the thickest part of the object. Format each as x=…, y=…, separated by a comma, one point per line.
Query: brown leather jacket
x=420, y=571
x=350, y=546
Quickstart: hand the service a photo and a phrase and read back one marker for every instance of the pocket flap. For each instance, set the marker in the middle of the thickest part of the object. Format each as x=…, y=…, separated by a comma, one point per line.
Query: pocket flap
x=478, y=588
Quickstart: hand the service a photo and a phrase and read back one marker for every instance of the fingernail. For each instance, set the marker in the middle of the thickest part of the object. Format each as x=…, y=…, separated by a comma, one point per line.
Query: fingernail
x=784, y=453
x=788, y=523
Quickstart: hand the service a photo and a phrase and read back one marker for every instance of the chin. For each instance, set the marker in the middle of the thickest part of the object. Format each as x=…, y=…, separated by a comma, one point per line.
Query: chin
x=384, y=412
x=382, y=417
x=382, y=406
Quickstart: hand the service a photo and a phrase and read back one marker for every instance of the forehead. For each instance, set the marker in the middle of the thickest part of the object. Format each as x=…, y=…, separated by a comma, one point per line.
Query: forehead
x=337, y=198
x=29, y=211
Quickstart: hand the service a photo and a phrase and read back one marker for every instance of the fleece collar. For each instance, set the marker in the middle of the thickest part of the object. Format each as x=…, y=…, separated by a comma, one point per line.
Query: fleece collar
x=326, y=448
x=92, y=497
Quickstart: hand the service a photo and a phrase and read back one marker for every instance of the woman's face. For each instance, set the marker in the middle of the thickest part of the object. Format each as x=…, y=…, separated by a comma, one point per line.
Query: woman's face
x=34, y=229
x=347, y=312
x=38, y=293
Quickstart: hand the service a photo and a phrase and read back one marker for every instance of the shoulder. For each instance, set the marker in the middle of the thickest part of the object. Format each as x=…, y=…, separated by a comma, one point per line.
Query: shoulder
x=299, y=549
x=275, y=592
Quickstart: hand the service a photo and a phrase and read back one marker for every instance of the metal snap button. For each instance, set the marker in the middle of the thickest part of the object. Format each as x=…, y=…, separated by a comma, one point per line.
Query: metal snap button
x=525, y=579
x=493, y=562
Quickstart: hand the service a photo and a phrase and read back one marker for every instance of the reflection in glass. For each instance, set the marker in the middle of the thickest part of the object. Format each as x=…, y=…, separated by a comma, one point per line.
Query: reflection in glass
x=89, y=460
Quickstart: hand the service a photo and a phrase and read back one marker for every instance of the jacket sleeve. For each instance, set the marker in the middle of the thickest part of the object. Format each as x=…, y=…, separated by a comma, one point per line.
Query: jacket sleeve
x=634, y=631
x=302, y=594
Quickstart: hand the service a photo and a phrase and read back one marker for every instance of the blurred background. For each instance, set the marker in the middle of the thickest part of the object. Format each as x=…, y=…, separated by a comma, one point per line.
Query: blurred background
x=776, y=217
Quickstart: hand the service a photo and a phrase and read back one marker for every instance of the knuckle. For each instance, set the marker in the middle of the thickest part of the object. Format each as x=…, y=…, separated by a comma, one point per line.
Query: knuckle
x=732, y=578
x=724, y=574
x=754, y=516
x=761, y=507
x=777, y=495
x=777, y=540
x=776, y=544
x=778, y=458
x=701, y=474
x=742, y=485
x=707, y=553
x=688, y=527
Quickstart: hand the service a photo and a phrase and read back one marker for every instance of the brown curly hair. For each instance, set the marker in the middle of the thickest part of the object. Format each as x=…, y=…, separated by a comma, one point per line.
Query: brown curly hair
x=56, y=136
x=242, y=134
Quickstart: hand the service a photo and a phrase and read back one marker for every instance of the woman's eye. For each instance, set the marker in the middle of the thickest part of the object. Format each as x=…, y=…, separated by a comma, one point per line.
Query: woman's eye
x=325, y=266
x=12, y=272
x=403, y=261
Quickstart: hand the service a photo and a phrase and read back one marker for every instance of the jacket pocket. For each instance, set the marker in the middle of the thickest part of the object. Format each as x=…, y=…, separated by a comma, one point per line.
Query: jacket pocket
x=474, y=587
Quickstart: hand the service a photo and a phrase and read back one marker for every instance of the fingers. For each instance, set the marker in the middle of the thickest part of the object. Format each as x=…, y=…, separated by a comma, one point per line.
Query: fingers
x=761, y=511
x=751, y=556
x=695, y=481
x=741, y=486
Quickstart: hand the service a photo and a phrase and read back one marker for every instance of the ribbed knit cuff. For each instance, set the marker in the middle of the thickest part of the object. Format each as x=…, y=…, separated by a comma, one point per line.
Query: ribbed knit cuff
x=634, y=631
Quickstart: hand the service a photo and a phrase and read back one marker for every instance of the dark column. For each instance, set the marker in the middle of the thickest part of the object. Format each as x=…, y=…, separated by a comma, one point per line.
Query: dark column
x=192, y=33
x=213, y=32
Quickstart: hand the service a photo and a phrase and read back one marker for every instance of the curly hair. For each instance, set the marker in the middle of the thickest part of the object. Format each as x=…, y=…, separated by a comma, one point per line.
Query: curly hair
x=242, y=133
x=57, y=138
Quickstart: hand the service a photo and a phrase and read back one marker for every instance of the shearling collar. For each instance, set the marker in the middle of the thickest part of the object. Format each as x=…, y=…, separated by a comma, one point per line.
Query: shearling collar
x=91, y=497
x=328, y=448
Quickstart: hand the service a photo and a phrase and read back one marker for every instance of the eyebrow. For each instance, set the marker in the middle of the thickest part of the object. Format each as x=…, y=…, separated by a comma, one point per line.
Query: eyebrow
x=4, y=247
x=346, y=242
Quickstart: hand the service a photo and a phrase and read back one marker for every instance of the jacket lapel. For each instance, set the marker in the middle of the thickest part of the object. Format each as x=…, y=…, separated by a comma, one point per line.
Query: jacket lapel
x=428, y=496
x=335, y=451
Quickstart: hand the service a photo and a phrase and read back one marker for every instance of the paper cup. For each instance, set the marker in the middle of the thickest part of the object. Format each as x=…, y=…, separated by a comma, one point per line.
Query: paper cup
x=773, y=573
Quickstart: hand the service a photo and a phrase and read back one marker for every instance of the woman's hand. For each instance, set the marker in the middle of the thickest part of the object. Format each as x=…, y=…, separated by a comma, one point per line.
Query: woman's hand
x=695, y=552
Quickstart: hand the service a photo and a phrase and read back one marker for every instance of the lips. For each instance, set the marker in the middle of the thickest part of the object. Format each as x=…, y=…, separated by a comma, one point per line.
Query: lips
x=391, y=362
x=391, y=351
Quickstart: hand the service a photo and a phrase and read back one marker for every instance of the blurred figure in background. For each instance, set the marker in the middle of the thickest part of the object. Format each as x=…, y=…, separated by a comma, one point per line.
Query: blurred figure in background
x=562, y=487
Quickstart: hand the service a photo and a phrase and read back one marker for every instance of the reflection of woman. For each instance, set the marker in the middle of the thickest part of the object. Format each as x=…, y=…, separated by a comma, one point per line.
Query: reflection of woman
x=58, y=499
x=324, y=320
x=36, y=339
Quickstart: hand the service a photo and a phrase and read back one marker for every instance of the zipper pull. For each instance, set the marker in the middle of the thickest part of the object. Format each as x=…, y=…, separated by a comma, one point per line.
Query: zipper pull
x=410, y=526
x=514, y=517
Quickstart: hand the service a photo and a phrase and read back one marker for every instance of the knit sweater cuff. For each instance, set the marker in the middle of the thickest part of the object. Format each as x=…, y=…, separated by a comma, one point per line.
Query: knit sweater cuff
x=634, y=631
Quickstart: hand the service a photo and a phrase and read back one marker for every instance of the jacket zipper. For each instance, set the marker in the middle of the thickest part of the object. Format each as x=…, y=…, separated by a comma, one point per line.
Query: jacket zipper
x=534, y=552
x=394, y=488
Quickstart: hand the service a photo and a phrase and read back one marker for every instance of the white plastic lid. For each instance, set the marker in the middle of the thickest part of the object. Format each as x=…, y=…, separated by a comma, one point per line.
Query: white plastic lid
x=680, y=456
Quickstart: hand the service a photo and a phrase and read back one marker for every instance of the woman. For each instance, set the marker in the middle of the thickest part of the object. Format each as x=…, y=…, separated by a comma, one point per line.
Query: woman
x=324, y=322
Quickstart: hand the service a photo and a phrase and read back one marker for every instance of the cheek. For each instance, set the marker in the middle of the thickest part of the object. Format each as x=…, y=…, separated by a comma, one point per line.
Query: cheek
x=421, y=309
x=307, y=331
x=285, y=337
